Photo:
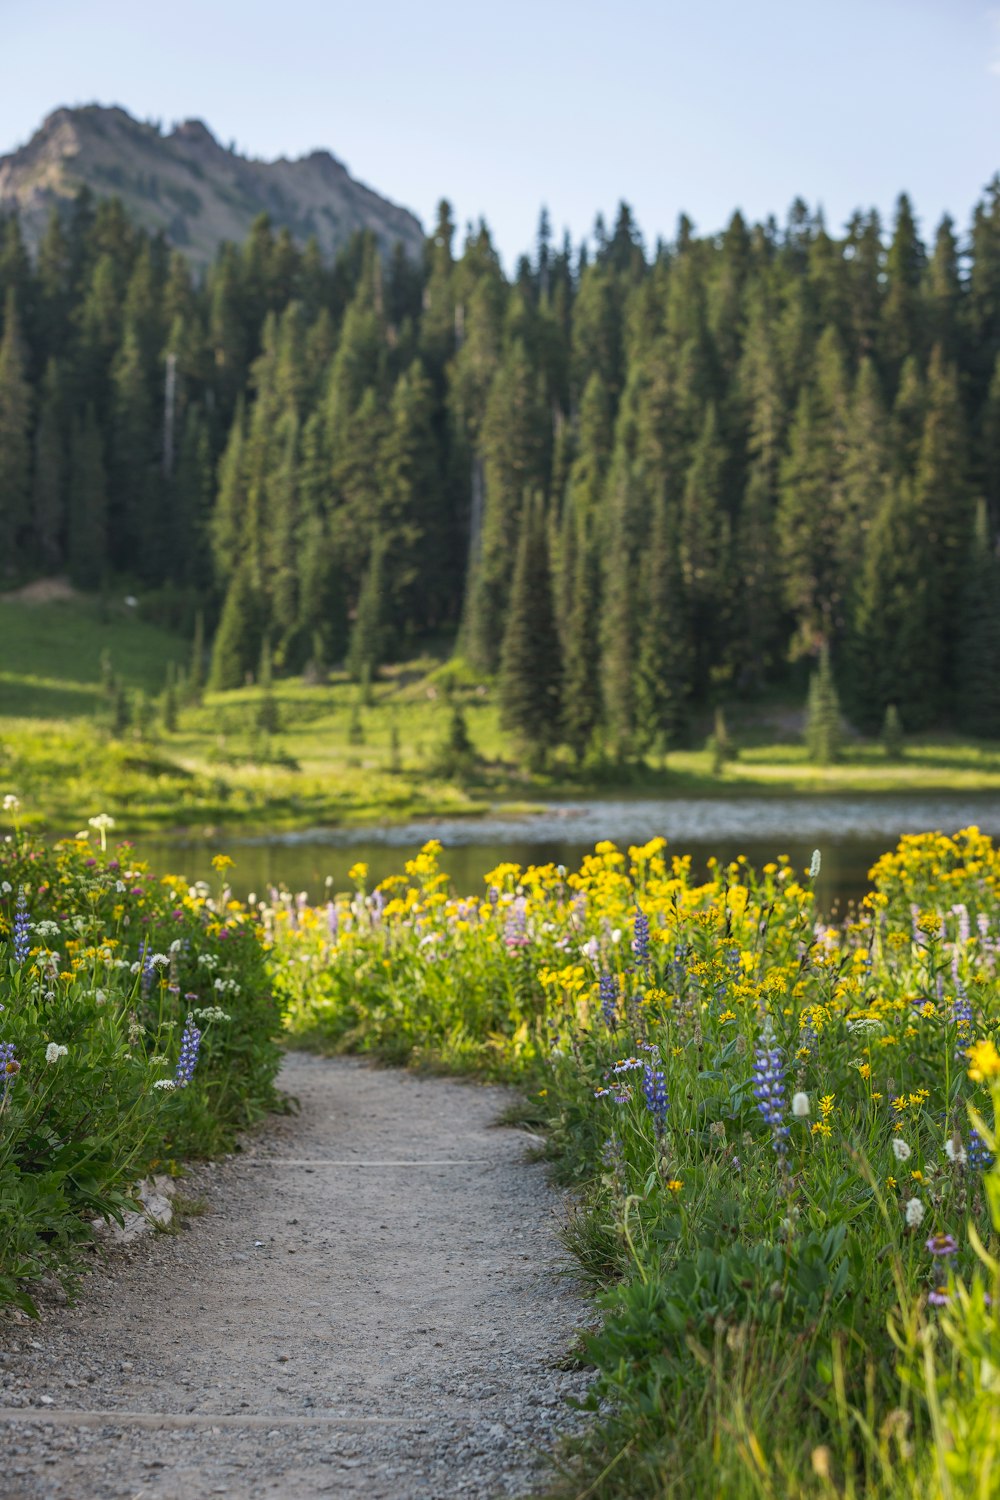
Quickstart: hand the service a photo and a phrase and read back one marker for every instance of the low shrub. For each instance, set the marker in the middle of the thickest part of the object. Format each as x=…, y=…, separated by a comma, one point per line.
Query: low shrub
x=779, y=1132
x=137, y=1029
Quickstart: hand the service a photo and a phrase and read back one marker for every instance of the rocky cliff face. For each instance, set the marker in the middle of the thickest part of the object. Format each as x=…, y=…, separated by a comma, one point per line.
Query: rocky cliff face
x=187, y=184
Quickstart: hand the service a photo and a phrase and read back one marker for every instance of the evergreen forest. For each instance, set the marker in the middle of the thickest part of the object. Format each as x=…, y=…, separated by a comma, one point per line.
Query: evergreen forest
x=631, y=482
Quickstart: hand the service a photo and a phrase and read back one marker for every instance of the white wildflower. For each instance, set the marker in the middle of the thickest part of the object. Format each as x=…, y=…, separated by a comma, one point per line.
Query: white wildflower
x=159, y=961
x=54, y=1052
x=800, y=1105
x=102, y=823
x=11, y=803
x=47, y=929
x=164, y=1083
x=159, y=1060
x=100, y=997
x=175, y=946
x=6, y=888
x=616, y=935
x=864, y=1024
x=900, y=1149
x=914, y=1213
x=954, y=1151
x=814, y=864
x=120, y=887
x=211, y=1013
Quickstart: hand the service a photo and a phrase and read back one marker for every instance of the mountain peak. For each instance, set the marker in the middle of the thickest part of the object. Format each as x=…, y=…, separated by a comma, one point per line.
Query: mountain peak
x=189, y=186
x=195, y=131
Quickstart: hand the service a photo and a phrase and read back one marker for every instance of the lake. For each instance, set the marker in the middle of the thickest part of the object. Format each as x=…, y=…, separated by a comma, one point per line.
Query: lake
x=850, y=832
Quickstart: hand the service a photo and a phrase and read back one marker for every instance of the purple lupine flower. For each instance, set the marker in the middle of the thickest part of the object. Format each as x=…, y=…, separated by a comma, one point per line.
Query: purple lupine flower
x=640, y=937
x=962, y=913
x=332, y=919
x=654, y=1090
x=22, y=928
x=609, y=1000
x=961, y=1011
x=148, y=967
x=979, y=1158
x=769, y=1085
x=9, y=1069
x=190, y=1042
x=515, y=930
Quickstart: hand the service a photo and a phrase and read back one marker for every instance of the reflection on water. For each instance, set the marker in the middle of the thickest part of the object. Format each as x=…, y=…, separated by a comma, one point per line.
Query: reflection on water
x=850, y=833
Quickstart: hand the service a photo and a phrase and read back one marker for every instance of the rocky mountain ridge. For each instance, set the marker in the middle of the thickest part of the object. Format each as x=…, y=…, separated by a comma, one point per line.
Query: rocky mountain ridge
x=185, y=183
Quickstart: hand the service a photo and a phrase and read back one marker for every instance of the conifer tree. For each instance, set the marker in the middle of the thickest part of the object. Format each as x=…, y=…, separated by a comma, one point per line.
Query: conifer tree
x=892, y=733
x=902, y=310
x=237, y=640
x=978, y=655
x=812, y=498
x=581, y=694
x=513, y=444
x=665, y=663
x=369, y=642
x=268, y=715
x=943, y=507
x=894, y=654
x=48, y=498
x=168, y=702
x=702, y=541
x=619, y=613
x=530, y=663
x=196, y=673
x=136, y=531
x=823, y=729
x=15, y=423
x=410, y=487
x=87, y=532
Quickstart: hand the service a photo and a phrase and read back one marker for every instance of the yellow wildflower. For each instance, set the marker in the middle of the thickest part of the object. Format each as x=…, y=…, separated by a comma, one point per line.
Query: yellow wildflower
x=984, y=1061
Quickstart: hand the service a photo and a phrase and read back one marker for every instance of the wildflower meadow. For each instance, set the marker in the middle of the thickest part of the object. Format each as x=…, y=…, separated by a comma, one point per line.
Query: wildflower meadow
x=137, y=1028
x=779, y=1133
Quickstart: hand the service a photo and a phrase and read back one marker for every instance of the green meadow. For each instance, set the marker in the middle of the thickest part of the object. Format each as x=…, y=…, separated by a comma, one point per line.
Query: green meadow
x=338, y=753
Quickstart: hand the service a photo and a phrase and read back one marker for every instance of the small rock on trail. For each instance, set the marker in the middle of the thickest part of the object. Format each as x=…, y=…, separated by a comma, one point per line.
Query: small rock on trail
x=373, y=1306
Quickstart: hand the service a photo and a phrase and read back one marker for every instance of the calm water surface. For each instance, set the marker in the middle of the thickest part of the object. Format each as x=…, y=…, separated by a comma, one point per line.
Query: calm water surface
x=850, y=833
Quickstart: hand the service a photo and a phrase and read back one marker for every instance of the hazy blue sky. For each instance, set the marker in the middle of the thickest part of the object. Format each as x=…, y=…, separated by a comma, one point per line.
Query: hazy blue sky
x=700, y=105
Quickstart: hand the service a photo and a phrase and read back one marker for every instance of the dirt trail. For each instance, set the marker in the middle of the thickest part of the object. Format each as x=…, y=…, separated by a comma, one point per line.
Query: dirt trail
x=372, y=1307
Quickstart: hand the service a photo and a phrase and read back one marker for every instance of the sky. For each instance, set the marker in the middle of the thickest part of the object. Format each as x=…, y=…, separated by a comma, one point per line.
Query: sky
x=700, y=106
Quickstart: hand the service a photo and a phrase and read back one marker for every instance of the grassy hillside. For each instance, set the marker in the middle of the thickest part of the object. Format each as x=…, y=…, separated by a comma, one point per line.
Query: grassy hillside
x=335, y=758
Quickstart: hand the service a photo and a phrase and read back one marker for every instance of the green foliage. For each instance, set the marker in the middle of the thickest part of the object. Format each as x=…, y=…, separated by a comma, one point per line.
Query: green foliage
x=823, y=727
x=234, y=651
x=87, y=1040
x=746, y=443
x=457, y=755
x=369, y=644
x=978, y=675
x=196, y=675
x=268, y=717
x=789, y=1226
x=530, y=662
x=168, y=704
x=892, y=733
x=720, y=745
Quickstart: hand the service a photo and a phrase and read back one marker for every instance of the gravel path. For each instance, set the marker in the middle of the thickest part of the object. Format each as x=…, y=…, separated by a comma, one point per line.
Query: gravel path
x=373, y=1306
